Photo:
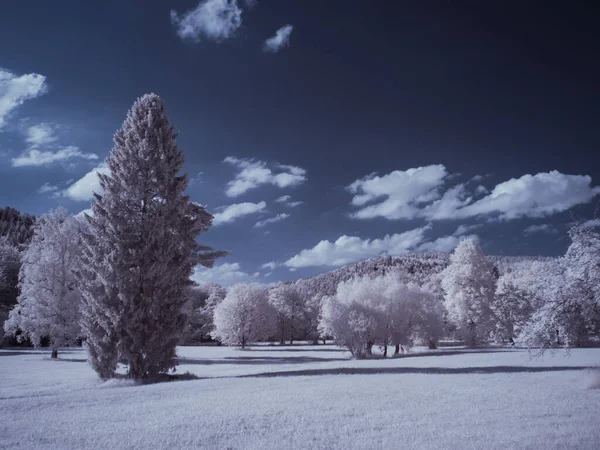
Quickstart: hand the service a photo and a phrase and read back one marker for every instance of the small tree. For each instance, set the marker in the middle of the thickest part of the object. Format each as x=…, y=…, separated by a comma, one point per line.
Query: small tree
x=468, y=284
x=140, y=249
x=569, y=312
x=380, y=310
x=289, y=304
x=48, y=305
x=244, y=316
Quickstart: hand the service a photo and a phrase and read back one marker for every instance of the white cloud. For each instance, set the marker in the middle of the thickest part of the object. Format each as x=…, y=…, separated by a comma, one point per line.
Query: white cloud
x=280, y=40
x=14, y=90
x=542, y=228
x=286, y=200
x=255, y=173
x=271, y=265
x=277, y=218
x=399, y=194
x=40, y=134
x=224, y=274
x=84, y=188
x=232, y=212
x=34, y=157
x=46, y=188
x=445, y=243
x=212, y=19
x=537, y=195
x=464, y=229
x=349, y=249
x=416, y=193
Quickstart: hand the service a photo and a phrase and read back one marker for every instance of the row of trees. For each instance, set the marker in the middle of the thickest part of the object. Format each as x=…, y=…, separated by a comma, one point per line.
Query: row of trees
x=543, y=303
x=539, y=303
x=119, y=280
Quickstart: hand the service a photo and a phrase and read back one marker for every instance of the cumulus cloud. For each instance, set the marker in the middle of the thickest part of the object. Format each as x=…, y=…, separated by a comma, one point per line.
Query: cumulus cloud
x=40, y=134
x=537, y=195
x=280, y=40
x=84, y=188
x=399, y=194
x=224, y=274
x=420, y=193
x=349, y=249
x=275, y=219
x=216, y=20
x=542, y=228
x=287, y=201
x=232, y=212
x=33, y=157
x=254, y=173
x=14, y=90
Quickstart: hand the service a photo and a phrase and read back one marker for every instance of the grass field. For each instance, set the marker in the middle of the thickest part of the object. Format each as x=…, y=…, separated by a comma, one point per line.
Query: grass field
x=272, y=397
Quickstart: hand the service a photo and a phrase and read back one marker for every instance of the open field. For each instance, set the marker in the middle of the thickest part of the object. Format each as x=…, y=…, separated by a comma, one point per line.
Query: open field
x=305, y=397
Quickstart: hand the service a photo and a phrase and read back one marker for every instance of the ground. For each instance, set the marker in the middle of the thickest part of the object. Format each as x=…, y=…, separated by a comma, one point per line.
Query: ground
x=272, y=397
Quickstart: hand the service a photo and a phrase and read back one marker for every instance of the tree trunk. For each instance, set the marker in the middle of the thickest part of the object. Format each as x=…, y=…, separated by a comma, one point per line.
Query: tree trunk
x=54, y=354
x=432, y=345
x=282, y=340
x=397, y=350
x=385, y=350
x=324, y=341
x=369, y=348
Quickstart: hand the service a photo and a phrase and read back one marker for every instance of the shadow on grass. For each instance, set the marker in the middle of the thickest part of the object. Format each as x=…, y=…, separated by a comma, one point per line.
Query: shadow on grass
x=298, y=350
x=256, y=360
x=412, y=370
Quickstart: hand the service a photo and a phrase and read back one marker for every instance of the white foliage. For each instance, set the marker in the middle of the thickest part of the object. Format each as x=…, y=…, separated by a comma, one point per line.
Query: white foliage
x=380, y=310
x=468, y=284
x=244, y=316
x=48, y=305
x=289, y=304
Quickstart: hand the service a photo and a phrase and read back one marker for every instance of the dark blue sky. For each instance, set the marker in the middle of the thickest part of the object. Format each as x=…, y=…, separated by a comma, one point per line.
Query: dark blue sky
x=491, y=89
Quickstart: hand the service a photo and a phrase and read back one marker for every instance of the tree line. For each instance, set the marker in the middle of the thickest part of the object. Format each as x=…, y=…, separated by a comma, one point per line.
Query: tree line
x=118, y=279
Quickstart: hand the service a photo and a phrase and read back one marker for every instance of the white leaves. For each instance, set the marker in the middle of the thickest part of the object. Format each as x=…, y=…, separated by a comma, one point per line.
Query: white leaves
x=380, y=310
x=244, y=316
x=49, y=300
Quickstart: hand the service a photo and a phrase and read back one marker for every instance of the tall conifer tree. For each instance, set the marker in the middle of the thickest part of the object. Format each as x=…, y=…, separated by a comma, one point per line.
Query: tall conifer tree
x=141, y=248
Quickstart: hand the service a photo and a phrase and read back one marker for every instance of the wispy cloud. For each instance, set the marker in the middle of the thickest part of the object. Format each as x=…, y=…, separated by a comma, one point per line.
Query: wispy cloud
x=542, y=228
x=253, y=173
x=15, y=90
x=216, y=20
x=47, y=188
x=39, y=135
x=33, y=157
x=225, y=274
x=275, y=219
x=280, y=40
x=232, y=212
x=287, y=201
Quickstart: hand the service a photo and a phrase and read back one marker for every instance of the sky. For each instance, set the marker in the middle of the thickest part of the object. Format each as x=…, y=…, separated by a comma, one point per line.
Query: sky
x=318, y=133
